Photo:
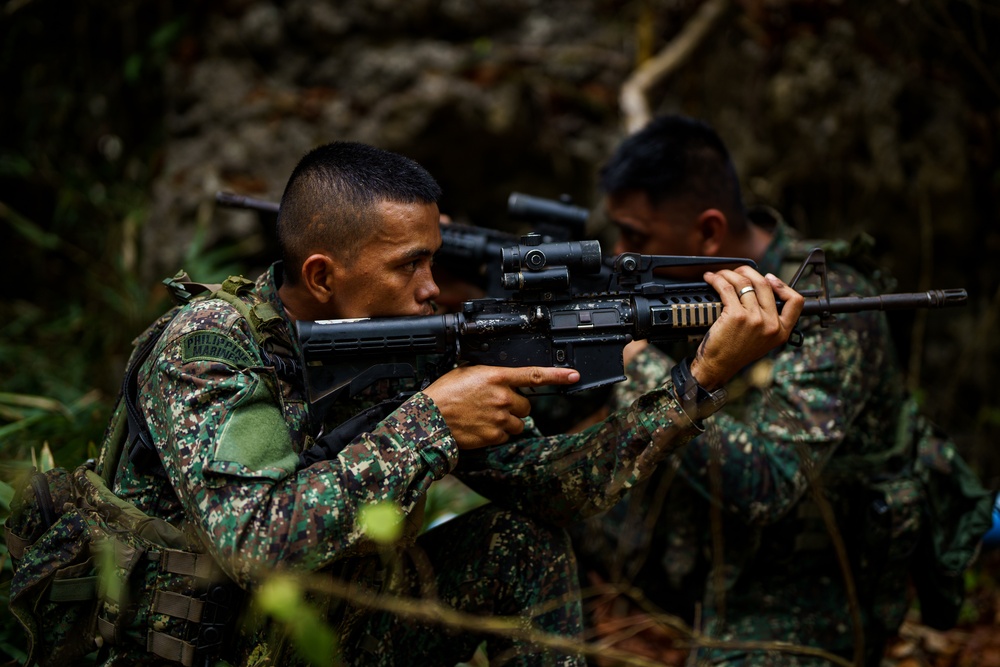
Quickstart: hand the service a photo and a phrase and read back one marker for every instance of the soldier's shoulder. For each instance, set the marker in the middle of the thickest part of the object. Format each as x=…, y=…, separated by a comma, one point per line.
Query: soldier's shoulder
x=209, y=315
x=209, y=330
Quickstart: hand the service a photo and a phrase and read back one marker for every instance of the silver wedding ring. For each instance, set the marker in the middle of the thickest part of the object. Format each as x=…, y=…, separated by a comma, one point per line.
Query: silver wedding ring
x=748, y=288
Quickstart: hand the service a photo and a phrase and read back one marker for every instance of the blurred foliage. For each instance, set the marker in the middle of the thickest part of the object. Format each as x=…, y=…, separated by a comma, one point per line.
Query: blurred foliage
x=283, y=598
x=80, y=137
x=381, y=522
x=78, y=147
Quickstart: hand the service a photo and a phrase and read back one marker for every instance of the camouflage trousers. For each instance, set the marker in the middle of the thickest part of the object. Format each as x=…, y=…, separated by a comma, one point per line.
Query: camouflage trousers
x=795, y=609
x=793, y=596
x=488, y=562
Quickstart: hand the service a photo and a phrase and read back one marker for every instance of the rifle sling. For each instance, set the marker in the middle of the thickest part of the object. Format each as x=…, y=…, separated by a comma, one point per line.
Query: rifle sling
x=329, y=445
x=139, y=444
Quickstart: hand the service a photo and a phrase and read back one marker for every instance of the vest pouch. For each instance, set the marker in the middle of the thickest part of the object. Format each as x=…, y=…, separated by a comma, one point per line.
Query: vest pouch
x=53, y=594
x=159, y=591
x=90, y=569
x=53, y=591
x=174, y=604
x=119, y=590
x=190, y=606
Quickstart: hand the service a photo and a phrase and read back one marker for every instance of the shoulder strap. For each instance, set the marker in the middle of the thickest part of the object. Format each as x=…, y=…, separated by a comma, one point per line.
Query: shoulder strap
x=266, y=323
x=127, y=427
x=139, y=443
x=329, y=445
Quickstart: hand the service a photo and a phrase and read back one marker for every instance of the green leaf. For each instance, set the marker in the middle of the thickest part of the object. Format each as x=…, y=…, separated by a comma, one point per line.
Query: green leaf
x=31, y=401
x=133, y=68
x=46, y=461
x=281, y=597
x=9, y=429
x=6, y=496
x=14, y=165
x=16, y=652
x=29, y=230
x=166, y=36
x=62, y=411
x=381, y=522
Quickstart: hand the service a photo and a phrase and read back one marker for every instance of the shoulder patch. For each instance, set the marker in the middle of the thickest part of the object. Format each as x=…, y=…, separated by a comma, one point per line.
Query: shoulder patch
x=213, y=346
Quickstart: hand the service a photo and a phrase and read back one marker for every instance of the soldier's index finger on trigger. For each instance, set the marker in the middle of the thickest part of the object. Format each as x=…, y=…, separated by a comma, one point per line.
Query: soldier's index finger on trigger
x=537, y=376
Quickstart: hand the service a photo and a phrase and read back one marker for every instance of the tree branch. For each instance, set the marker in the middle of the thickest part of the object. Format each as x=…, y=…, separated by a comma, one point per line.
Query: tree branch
x=634, y=94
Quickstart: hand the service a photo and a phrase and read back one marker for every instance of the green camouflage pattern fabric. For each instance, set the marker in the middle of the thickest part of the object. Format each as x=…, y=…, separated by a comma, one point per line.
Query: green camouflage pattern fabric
x=229, y=428
x=488, y=562
x=737, y=531
x=59, y=633
x=564, y=478
x=72, y=588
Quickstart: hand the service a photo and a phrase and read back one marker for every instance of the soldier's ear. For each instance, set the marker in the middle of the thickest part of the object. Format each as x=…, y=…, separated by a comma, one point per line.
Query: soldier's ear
x=318, y=277
x=713, y=228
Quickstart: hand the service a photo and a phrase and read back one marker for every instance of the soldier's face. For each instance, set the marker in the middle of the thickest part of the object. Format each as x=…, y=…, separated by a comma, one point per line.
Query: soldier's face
x=666, y=229
x=391, y=274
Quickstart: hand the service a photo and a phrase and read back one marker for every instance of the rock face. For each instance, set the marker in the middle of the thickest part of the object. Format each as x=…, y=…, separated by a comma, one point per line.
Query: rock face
x=840, y=133
x=491, y=97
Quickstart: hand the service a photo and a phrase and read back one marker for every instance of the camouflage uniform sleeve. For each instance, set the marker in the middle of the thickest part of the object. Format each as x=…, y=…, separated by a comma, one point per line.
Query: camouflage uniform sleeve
x=648, y=369
x=231, y=457
x=799, y=404
x=567, y=477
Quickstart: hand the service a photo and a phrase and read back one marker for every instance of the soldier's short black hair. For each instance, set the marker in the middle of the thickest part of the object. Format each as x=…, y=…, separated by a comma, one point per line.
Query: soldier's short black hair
x=676, y=158
x=330, y=200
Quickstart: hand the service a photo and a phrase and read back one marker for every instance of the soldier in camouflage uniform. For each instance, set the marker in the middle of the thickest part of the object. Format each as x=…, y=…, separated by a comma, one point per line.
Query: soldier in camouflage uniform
x=736, y=526
x=358, y=228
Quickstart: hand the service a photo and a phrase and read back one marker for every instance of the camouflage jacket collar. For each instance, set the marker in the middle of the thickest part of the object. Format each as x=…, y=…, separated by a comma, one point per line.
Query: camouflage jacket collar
x=266, y=288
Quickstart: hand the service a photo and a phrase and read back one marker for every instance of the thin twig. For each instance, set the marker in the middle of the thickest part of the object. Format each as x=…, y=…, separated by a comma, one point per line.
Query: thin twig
x=431, y=611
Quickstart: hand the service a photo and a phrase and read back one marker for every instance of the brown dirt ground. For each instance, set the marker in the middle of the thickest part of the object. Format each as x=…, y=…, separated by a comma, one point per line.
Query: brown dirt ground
x=975, y=642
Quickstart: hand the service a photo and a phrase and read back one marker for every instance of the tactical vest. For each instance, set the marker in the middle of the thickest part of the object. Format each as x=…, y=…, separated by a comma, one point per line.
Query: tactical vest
x=92, y=570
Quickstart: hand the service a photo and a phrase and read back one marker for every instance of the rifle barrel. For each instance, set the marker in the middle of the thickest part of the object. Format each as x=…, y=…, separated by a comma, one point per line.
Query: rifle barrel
x=938, y=298
x=538, y=209
x=243, y=201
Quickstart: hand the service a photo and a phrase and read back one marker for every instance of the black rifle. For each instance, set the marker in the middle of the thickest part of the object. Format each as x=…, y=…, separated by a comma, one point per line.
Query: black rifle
x=244, y=201
x=565, y=309
x=471, y=253
x=474, y=254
